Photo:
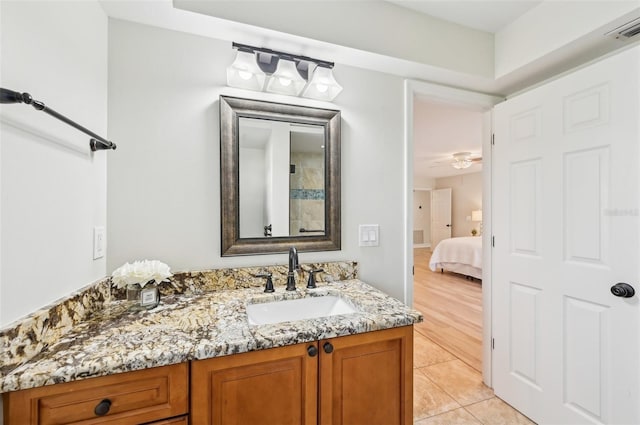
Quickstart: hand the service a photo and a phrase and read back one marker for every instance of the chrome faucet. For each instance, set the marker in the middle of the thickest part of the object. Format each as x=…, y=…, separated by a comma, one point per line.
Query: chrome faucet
x=294, y=265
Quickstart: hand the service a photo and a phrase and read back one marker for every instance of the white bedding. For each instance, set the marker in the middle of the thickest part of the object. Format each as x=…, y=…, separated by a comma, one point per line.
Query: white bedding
x=459, y=255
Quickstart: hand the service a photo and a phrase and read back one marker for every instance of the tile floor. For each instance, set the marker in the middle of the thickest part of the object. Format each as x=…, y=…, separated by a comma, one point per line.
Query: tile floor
x=446, y=391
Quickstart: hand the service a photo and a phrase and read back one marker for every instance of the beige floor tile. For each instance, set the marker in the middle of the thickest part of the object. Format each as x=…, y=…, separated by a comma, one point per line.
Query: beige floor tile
x=453, y=417
x=461, y=382
x=427, y=352
x=428, y=398
x=496, y=412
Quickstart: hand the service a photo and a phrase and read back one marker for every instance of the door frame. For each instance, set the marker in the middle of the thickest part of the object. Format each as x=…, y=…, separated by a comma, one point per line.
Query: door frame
x=472, y=100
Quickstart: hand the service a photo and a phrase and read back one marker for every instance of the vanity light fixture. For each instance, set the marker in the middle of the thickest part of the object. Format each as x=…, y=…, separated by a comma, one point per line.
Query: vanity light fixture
x=284, y=73
x=461, y=160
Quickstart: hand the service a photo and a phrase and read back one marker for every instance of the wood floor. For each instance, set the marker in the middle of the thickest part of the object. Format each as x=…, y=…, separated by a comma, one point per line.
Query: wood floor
x=452, y=309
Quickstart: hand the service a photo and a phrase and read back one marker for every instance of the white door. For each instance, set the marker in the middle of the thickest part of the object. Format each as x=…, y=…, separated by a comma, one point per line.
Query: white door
x=565, y=222
x=440, y=215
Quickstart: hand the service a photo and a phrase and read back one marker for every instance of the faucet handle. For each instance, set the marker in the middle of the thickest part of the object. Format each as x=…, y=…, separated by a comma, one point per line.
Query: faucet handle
x=268, y=287
x=311, y=283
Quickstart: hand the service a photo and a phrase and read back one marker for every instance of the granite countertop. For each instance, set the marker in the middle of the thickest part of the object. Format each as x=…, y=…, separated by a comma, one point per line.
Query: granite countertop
x=197, y=326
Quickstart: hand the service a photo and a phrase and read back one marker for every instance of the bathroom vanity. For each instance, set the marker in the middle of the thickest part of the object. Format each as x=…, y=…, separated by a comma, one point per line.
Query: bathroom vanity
x=197, y=359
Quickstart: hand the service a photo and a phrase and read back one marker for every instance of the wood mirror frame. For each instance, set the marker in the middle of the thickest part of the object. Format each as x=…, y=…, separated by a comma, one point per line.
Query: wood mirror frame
x=231, y=110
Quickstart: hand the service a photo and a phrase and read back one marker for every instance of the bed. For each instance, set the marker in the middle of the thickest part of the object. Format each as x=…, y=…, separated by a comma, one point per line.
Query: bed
x=459, y=255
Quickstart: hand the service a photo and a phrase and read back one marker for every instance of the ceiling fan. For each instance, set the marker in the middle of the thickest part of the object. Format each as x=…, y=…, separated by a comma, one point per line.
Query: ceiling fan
x=462, y=160
x=459, y=160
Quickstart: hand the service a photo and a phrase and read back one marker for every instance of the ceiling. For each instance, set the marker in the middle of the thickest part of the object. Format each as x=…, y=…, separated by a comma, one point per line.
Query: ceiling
x=488, y=16
x=439, y=131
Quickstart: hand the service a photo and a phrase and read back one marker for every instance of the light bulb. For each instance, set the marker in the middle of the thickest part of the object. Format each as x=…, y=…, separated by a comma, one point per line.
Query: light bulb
x=245, y=75
x=286, y=79
x=244, y=72
x=322, y=88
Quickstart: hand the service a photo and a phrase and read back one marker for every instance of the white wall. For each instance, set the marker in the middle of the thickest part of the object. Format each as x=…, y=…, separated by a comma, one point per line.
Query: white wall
x=252, y=192
x=424, y=182
x=550, y=26
x=466, y=196
x=422, y=215
x=278, y=179
x=53, y=190
x=164, y=184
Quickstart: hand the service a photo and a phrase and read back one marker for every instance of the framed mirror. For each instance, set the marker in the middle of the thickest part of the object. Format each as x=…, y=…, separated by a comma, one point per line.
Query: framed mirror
x=279, y=177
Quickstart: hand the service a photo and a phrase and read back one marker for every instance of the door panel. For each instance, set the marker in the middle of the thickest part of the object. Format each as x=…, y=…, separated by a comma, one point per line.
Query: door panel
x=524, y=332
x=274, y=386
x=525, y=208
x=583, y=207
x=367, y=378
x=565, y=222
x=584, y=360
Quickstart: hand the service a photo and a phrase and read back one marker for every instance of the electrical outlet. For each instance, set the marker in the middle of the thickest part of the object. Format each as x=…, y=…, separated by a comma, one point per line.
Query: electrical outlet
x=99, y=242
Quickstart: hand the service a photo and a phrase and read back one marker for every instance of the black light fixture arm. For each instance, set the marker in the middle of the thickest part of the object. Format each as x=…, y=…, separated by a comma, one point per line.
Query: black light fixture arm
x=289, y=56
x=96, y=143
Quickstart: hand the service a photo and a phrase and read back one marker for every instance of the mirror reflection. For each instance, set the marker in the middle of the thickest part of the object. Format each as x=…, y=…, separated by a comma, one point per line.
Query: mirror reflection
x=281, y=178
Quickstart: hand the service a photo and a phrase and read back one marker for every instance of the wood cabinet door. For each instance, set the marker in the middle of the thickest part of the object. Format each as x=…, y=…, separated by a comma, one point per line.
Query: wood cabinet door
x=367, y=378
x=274, y=386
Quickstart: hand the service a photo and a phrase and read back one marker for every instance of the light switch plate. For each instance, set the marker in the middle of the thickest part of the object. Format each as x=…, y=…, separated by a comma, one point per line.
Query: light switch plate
x=369, y=235
x=99, y=242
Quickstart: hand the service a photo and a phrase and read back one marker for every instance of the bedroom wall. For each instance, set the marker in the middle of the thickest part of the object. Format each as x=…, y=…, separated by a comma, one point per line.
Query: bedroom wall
x=420, y=182
x=466, y=196
x=422, y=216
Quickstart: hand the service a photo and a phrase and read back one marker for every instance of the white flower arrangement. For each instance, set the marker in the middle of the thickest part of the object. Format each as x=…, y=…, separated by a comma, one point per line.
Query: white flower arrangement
x=142, y=272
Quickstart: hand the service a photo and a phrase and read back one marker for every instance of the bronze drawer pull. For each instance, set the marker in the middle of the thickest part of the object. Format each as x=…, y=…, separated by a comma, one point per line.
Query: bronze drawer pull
x=103, y=407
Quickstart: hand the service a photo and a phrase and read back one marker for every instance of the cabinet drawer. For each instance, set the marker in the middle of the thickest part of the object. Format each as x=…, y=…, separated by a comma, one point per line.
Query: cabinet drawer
x=125, y=398
x=182, y=420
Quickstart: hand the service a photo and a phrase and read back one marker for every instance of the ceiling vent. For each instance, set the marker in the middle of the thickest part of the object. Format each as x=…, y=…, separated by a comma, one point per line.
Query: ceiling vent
x=626, y=31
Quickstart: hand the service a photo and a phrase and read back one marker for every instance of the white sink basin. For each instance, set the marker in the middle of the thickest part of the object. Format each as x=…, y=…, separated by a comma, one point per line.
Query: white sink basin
x=299, y=309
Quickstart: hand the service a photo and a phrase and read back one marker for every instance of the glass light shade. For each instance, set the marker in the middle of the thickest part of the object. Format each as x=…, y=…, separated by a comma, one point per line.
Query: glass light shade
x=461, y=160
x=460, y=164
x=322, y=86
x=286, y=79
x=476, y=215
x=244, y=72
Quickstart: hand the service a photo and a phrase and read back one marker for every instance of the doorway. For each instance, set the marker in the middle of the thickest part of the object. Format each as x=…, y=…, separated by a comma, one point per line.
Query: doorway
x=449, y=297
x=470, y=100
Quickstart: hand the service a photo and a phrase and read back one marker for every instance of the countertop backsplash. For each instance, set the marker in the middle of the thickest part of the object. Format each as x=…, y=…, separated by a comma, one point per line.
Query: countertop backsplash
x=200, y=282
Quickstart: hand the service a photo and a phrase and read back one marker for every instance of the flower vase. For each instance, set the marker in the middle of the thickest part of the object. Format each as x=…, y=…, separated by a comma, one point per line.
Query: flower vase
x=142, y=298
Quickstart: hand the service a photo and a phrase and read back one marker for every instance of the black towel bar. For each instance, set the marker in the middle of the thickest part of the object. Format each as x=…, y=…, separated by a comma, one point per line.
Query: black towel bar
x=96, y=143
